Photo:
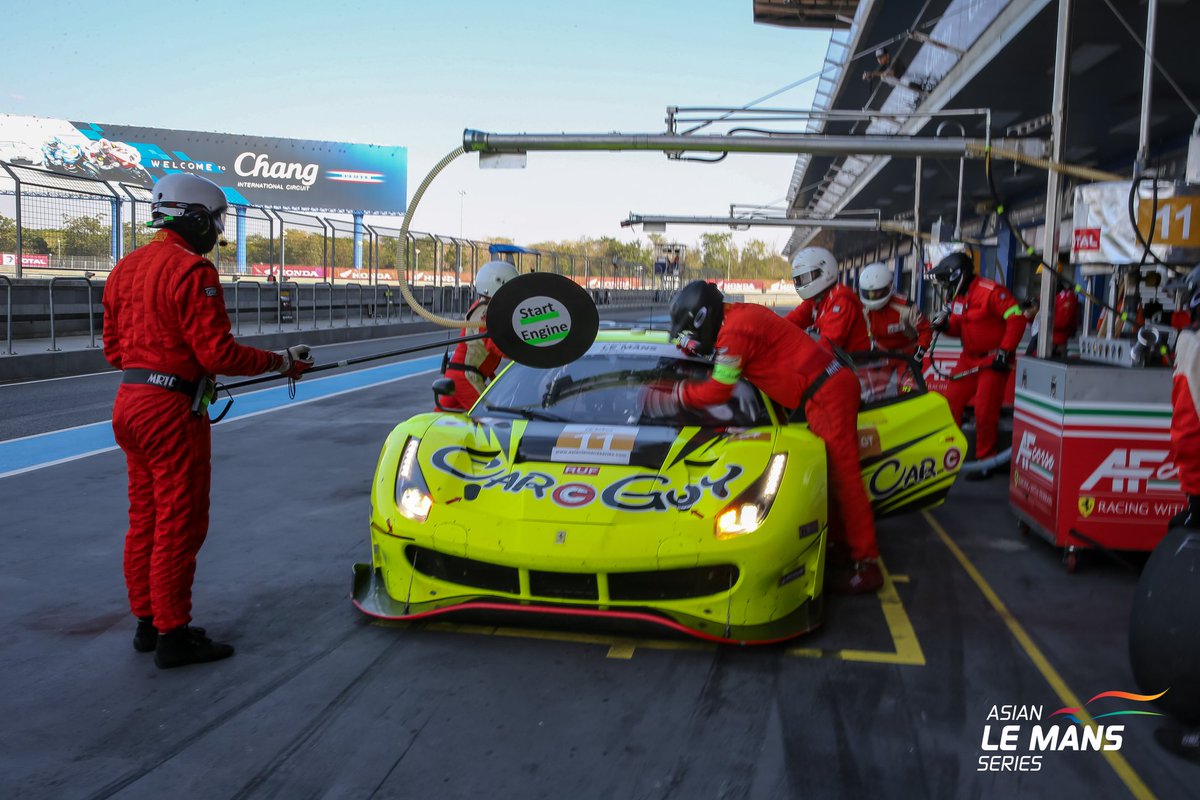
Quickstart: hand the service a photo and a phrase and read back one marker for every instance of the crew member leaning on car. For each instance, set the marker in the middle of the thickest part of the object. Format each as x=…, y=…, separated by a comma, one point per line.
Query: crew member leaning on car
x=989, y=321
x=895, y=323
x=1185, y=404
x=166, y=326
x=474, y=363
x=831, y=307
x=752, y=342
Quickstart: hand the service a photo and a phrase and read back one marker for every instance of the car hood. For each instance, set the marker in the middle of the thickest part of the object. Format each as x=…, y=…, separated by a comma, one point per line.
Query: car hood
x=589, y=474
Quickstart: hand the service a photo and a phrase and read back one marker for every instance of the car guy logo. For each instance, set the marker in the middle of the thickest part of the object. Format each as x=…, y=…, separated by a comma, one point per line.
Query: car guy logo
x=638, y=492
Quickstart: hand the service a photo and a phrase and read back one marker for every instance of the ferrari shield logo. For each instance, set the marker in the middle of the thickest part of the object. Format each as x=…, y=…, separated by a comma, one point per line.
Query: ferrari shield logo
x=1087, y=504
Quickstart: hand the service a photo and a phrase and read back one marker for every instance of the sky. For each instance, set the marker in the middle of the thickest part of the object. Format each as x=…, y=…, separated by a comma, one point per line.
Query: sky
x=416, y=73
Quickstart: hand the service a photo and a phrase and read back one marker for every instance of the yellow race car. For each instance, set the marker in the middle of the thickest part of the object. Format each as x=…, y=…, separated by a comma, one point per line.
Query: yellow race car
x=556, y=495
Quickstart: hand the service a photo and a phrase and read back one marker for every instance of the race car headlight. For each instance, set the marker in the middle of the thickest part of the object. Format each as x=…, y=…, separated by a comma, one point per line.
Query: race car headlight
x=748, y=510
x=412, y=495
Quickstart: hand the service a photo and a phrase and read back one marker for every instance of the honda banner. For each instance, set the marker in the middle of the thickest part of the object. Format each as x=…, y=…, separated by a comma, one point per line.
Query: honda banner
x=297, y=174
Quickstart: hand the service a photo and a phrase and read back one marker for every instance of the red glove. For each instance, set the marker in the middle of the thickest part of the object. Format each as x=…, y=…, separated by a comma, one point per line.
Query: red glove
x=295, y=361
x=687, y=344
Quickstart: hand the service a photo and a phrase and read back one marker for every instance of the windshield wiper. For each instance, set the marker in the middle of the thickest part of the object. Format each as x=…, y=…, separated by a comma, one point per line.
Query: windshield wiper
x=528, y=413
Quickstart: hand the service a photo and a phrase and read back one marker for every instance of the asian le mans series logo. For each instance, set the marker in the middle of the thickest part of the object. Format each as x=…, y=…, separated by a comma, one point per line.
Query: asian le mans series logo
x=1015, y=737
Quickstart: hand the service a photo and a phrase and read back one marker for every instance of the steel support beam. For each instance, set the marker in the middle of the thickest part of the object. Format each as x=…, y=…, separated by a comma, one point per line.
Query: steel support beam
x=1054, y=184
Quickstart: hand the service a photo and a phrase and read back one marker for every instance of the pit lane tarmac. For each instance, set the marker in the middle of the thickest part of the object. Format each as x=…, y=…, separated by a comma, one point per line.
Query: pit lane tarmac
x=888, y=699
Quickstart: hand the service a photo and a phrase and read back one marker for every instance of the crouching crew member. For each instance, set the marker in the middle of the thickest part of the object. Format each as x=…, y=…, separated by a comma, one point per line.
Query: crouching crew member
x=988, y=320
x=894, y=324
x=752, y=342
x=474, y=363
x=166, y=326
x=1185, y=404
x=831, y=307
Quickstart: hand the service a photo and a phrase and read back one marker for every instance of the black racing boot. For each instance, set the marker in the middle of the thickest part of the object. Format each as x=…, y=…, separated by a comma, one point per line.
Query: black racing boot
x=1190, y=516
x=186, y=645
x=146, y=638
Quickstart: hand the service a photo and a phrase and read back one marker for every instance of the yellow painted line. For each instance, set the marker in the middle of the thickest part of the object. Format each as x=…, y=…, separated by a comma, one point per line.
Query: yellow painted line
x=1114, y=758
x=622, y=650
x=908, y=649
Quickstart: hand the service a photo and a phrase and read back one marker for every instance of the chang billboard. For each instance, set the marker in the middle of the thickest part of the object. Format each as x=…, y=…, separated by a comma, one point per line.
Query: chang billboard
x=297, y=174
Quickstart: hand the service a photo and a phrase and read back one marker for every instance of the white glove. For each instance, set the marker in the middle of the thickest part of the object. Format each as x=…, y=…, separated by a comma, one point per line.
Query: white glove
x=295, y=360
x=662, y=402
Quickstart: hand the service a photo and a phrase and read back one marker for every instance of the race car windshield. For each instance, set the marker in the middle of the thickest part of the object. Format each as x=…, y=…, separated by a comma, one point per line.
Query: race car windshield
x=608, y=385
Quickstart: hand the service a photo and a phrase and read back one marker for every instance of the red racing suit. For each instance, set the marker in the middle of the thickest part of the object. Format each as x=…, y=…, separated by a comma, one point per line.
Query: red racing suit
x=1185, y=417
x=1066, y=316
x=164, y=311
x=899, y=327
x=793, y=370
x=838, y=317
x=987, y=320
x=473, y=363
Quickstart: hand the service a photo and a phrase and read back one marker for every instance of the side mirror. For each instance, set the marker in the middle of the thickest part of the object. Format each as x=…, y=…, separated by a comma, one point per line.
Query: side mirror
x=441, y=388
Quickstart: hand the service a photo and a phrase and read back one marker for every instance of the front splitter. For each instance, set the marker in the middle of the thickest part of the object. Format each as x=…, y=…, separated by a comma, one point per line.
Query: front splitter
x=371, y=597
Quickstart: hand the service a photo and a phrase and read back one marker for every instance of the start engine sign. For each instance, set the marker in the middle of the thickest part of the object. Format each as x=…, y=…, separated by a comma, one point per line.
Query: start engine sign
x=541, y=321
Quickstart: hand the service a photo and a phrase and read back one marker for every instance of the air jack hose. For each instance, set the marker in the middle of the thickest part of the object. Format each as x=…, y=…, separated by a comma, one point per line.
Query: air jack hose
x=405, y=291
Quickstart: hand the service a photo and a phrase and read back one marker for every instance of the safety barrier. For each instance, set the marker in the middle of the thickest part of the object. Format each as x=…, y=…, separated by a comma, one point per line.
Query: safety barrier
x=76, y=308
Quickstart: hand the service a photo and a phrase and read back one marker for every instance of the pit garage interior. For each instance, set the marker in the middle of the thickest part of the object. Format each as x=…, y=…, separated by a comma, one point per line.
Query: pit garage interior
x=894, y=696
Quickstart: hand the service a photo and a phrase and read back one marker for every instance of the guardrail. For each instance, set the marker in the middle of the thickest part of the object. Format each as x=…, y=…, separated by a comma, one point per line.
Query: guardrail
x=54, y=348
x=328, y=286
x=346, y=305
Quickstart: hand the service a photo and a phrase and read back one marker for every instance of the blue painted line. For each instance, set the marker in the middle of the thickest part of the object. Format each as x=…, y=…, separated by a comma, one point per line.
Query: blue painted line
x=33, y=452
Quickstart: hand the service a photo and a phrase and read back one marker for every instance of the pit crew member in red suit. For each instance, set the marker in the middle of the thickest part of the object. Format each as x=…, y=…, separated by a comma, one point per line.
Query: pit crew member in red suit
x=474, y=363
x=988, y=320
x=166, y=327
x=752, y=342
x=894, y=323
x=1066, y=316
x=832, y=307
x=1185, y=404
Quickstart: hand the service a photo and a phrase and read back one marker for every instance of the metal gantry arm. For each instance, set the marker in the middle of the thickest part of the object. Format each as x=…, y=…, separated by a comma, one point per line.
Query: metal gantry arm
x=792, y=143
x=841, y=224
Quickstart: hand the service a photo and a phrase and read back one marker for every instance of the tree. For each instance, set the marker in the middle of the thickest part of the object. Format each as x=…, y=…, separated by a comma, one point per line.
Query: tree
x=85, y=236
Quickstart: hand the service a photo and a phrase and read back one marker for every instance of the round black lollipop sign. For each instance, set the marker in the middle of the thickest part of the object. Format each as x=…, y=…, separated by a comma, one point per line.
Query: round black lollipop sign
x=542, y=320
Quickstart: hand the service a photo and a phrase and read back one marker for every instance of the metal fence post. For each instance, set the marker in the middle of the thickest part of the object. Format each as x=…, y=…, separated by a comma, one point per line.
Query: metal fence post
x=237, y=308
x=17, y=214
x=8, y=334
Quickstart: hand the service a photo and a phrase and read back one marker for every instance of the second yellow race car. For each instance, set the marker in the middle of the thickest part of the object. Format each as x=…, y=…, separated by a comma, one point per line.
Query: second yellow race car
x=556, y=495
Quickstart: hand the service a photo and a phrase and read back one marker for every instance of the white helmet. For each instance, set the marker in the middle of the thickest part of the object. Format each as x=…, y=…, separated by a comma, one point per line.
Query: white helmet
x=814, y=270
x=875, y=286
x=492, y=276
x=174, y=194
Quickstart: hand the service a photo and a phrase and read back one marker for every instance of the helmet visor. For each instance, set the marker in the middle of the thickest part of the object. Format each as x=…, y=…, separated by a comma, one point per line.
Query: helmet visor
x=805, y=278
x=876, y=294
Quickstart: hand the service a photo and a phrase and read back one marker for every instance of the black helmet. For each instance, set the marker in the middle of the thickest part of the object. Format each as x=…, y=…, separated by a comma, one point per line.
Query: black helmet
x=697, y=311
x=955, y=272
